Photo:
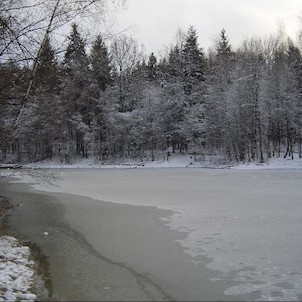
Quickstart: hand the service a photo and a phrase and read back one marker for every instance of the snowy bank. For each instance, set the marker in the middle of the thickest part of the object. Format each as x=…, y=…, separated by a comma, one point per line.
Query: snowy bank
x=176, y=160
x=16, y=271
x=274, y=164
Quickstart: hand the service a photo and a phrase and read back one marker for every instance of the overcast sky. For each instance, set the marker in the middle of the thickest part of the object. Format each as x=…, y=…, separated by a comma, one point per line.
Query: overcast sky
x=155, y=22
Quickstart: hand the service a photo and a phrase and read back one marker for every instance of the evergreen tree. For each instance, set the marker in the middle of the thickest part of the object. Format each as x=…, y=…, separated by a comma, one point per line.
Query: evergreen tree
x=46, y=121
x=193, y=78
x=100, y=64
x=175, y=66
x=47, y=70
x=152, y=67
x=221, y=65
x=224, y=48
x=193, y=63
x=75, y=96
x=75, y=55
x=138, y=80
x=13, y=81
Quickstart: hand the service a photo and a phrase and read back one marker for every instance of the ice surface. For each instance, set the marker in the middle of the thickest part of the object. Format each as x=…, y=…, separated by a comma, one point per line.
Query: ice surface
x=247, y=222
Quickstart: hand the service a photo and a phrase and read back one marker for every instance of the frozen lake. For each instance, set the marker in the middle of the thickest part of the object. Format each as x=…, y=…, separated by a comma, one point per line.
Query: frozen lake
x=240, y=230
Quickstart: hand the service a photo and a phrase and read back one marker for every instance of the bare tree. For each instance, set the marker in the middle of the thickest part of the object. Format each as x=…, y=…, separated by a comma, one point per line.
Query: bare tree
x=125, y=55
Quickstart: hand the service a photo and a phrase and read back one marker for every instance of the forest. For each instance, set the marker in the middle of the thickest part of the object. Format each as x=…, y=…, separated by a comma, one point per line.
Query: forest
x=110, y=101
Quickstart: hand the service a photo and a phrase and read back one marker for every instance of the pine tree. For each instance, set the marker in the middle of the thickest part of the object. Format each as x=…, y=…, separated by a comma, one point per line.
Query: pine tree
x=100, y=64
x=193, y=79
x=47, y=71
x=219, y=82
x=224, y=48
x=193, y=62
x=75, y=55
x=39, y=121
x=13, y=81
x=75, y=95
x=175, y=66
x=152, y=67
x=45, y=103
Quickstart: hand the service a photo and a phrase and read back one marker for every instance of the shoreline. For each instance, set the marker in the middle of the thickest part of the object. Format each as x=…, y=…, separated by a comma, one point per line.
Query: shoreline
x=133, y=256
x=141, y=288
x=177, y=160
x=22, y=272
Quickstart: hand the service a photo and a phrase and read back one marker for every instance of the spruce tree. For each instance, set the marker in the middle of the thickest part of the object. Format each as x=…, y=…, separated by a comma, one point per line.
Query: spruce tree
x=46, y=121
x=224, y=48
x=192, y=126
x=47, y=67
x=193, y=62
x=75, y=96
x=175, y=62
x=218, y=85
x=152, y=67
x=100, y=64
x=75, y=55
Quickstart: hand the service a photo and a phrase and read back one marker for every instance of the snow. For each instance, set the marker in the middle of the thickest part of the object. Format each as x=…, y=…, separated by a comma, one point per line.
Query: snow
x=16, y=271
x=176, y=160
x=273, y=164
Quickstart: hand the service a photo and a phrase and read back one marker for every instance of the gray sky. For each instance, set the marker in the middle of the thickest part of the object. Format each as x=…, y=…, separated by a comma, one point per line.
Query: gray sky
x=155, y=22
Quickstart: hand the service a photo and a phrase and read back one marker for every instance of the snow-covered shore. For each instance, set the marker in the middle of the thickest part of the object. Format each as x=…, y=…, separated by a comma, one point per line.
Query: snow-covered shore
x=177, y=160
x=16, y=271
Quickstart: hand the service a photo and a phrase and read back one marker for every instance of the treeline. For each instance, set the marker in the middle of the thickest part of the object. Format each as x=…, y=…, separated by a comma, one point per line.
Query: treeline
x=113, y=103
